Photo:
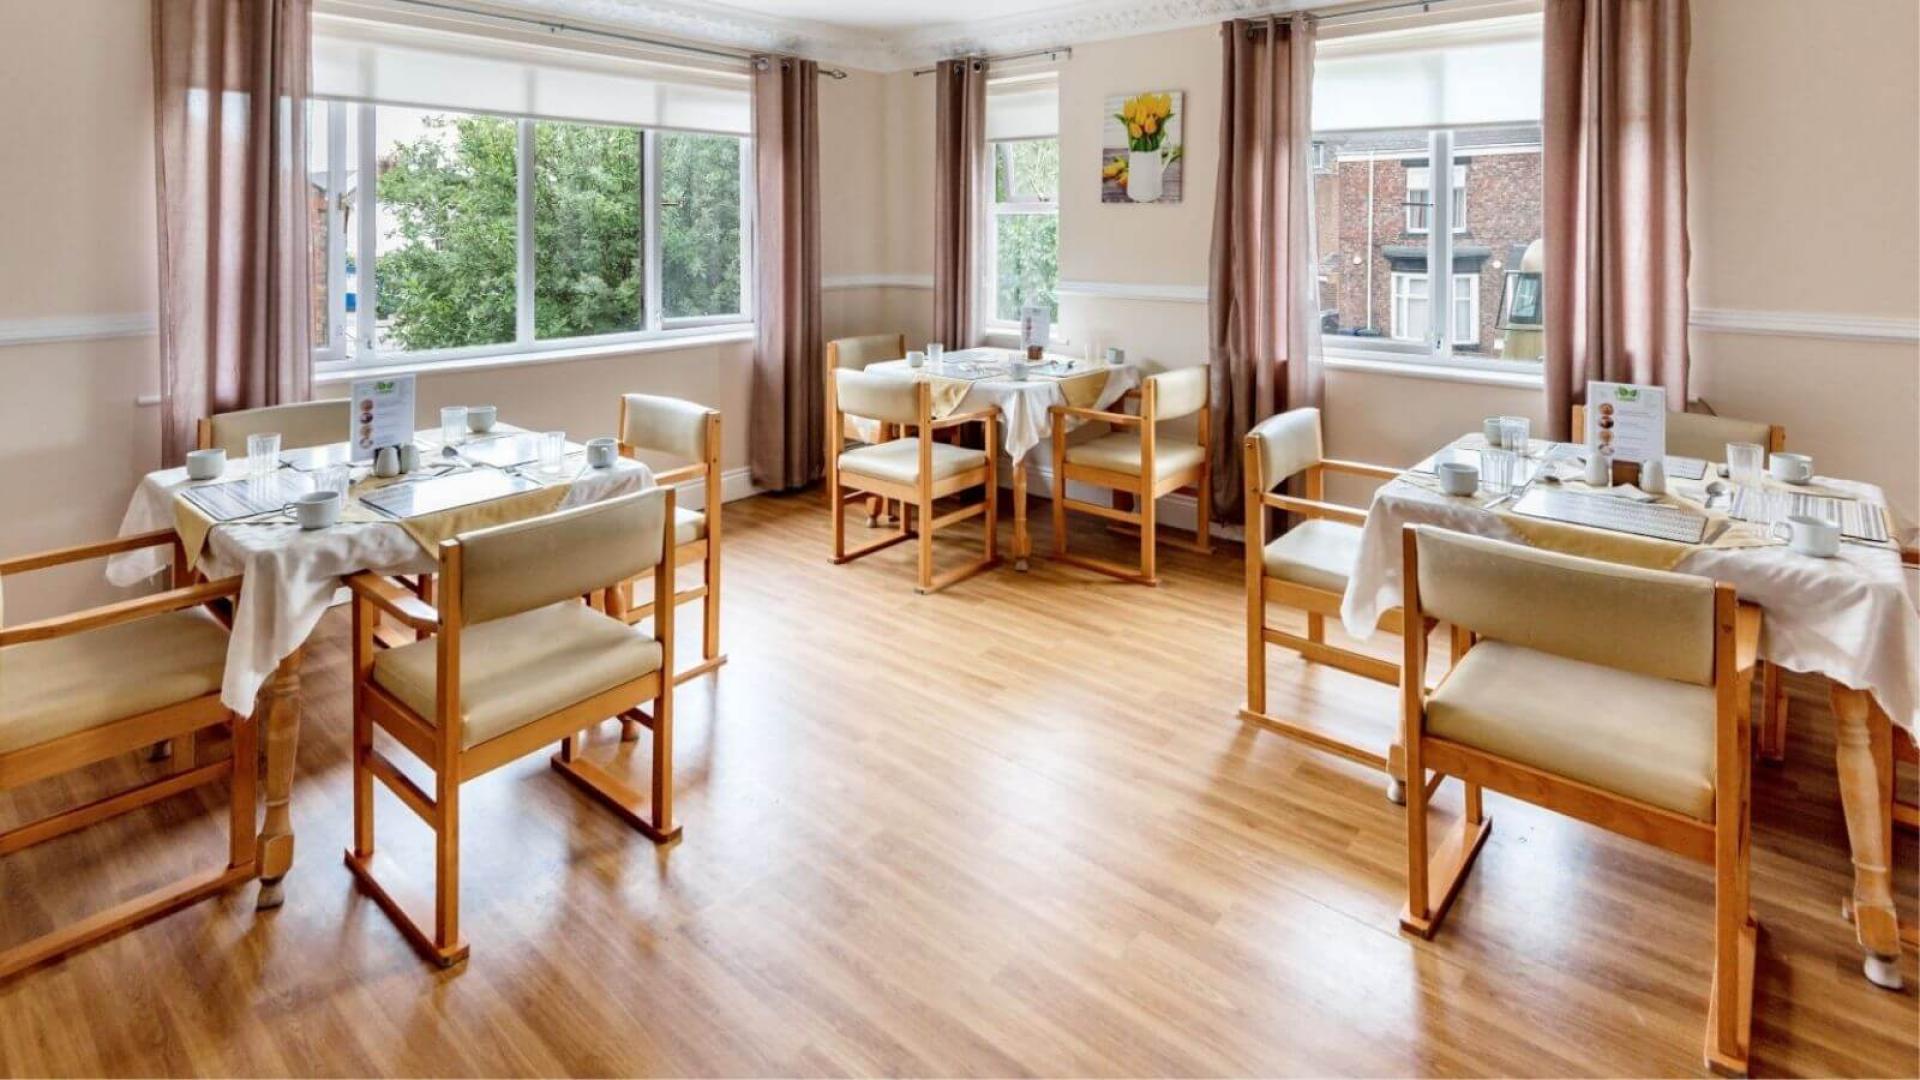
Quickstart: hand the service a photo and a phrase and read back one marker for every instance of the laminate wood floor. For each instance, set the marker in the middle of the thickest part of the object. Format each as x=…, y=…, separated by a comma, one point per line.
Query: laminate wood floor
x=1014, y=828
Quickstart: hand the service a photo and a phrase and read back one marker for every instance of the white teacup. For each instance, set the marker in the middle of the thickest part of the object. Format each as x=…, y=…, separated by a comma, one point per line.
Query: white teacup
x=1116, y=357
x=1813, y=536
x=1791, y=468
x=1458, y=478
x=1490, y=431
x=206, y=464
x=1017, y=369
x=916, y=358
x=317, y=509
x=603, y=452
x=481, y=418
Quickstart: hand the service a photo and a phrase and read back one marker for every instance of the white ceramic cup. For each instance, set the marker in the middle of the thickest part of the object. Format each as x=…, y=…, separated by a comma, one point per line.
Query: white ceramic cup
x=481, y=418
x=1490, y=431
x=317, y=509
x=603, y=452
x=1116, y=357
x=206, y=464
x=1017, y=369
x=1791, y=468
x=1458, y=478
x=1813, y=536
x=916, y=358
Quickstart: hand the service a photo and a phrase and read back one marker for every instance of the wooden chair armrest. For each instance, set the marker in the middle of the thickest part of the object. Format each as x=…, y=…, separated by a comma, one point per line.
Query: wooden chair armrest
x=125, y=611
x=1094, y=414
x=955, y=420
x=680, y=475
x=1316, y=509
x=1910, y=556
x=20, y=564
x=395, y=601
x=1360, y=468
x=1747, y=620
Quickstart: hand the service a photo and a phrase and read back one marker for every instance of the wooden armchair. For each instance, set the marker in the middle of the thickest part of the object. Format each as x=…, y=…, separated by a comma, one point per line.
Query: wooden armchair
x=856, y=354
x=1305, y=568
x=81, y=688
x=1607, y=693
x=1139, y=468
x=683, y=430
x=515, y=662
x=916, y=469
x=307, y=423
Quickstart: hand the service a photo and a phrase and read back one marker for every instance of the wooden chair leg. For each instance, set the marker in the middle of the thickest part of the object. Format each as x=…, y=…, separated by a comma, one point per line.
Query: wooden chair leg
x=1059, y=493
x=1417, y=918
x=362, y=787
x=1439, y=878
x=1203, y=511
x=710, y=610
x=1148, y=529
x=835, y=504
x=446, y=872
x=1773, y=714
x=662, y=805
x=926, y=543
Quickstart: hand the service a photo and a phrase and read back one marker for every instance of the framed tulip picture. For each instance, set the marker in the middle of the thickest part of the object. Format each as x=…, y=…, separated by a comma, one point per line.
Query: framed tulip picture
x=1141, y=147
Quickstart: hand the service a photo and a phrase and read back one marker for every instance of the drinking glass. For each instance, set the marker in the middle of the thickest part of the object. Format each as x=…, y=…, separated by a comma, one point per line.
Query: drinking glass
x=553, y=451
x=263, y=453
x=936, y=352
x=1499, y=469
x=1744, y=462
x=332, y=478
x=453, y=424
x=1516, y=434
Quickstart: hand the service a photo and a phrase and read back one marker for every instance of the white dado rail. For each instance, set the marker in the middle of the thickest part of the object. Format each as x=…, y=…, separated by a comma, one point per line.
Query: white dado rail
x=58, y=328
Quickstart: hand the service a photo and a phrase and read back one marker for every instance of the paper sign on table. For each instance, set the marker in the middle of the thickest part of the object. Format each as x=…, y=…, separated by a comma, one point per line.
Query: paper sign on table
x=1627, y=422
x=1036, y=325
x=382, y=415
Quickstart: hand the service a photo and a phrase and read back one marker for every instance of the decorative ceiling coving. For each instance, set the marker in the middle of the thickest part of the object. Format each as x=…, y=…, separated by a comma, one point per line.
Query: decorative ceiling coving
x=878, y=49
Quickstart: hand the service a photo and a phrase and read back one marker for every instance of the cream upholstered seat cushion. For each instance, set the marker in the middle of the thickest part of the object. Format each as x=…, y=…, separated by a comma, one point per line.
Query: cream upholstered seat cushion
x=1316, y=553
x=1647, y=738
x=518, y=669
x=899, y=461
x=1120, y=452
x=688, y=525
x=67, y=684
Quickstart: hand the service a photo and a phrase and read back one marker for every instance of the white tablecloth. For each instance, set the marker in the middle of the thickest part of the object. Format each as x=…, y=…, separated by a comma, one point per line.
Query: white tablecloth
x=1024, y=419
x=1847, y=618
x=289, y=576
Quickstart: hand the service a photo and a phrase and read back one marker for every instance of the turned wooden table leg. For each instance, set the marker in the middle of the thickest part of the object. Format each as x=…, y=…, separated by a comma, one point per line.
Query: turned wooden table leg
x=1022, y=544
x=1863, y=756
x=278, y=708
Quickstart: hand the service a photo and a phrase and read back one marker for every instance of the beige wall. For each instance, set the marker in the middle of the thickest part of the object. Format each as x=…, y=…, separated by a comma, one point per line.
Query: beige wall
x=76, y=241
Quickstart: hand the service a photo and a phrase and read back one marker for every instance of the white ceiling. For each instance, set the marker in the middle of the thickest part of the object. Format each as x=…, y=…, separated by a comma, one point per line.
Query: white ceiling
x=887, y=35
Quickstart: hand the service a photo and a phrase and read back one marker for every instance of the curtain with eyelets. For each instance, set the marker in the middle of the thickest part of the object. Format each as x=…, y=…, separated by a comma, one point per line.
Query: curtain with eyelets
x=1262, y=307
x=230, y=81
x=960, y=193
x=787, y=431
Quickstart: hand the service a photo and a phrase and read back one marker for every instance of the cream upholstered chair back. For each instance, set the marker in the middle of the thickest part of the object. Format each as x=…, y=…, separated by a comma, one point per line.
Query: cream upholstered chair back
x=1180, y=392
x=665, y=425
x=894, y=399
x=508, y=569
x=1702, y=436
x=310, y=423
x=1288, y=442
x=858, y=352
x=1646, y=621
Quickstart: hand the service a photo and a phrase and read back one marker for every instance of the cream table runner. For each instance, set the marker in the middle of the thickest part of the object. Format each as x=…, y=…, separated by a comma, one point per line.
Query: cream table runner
x=1025, y=420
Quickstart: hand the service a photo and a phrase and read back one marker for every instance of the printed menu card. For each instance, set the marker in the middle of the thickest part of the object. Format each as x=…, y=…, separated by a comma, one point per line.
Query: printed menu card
x=1627, y=422
x=382, y=415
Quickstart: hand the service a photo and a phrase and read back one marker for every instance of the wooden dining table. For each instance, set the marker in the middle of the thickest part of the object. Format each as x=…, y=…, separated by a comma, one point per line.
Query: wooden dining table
x=291, y=576
x=1848, y=618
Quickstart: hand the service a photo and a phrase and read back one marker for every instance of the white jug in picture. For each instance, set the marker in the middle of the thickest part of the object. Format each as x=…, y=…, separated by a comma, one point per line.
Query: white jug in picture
x=1143, y=175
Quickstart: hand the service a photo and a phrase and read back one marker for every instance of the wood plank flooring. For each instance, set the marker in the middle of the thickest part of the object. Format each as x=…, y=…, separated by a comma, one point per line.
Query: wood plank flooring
x=1011, y=829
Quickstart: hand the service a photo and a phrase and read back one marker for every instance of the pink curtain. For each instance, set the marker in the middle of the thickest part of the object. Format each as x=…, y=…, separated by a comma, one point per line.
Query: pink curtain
x=1615, y=129
x=787, y=431
x=230, y=80
x=1263, y=321
x=959, y=185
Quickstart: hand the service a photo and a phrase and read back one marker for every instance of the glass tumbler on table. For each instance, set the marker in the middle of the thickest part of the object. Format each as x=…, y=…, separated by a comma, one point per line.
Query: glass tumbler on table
x=453, y=424
x=553, y=452
x=333, y=478
x=1516, y=434
x=1744, y=463
x=263, y=453
x=1499, y=470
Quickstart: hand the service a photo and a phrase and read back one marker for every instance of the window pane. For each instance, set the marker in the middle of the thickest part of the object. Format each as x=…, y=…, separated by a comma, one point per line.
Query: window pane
x=1367, y=232
x=587, y=276
x=699, y=225
x=333, y=223
x=445, y=275
x=1026, y=263
x=1498, y=192
x=1027, y=171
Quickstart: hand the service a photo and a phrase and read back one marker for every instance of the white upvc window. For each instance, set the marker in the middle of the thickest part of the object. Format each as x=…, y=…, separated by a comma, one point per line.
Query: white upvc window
x=1412, y=305
x=450, y=235
x=1420, y=198
x=1466, y=309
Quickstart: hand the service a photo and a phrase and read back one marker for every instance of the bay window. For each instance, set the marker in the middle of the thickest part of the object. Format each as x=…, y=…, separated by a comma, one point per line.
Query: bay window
x=1453, y=96
x=523, y=198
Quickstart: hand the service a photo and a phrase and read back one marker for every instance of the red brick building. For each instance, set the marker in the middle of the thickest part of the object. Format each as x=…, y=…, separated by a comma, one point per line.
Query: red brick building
x=1373, y=207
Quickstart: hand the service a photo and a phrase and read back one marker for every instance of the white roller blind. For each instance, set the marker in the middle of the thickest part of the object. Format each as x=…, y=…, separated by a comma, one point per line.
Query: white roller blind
x=361, y=59
x=1025, y=107
x=1482, y=72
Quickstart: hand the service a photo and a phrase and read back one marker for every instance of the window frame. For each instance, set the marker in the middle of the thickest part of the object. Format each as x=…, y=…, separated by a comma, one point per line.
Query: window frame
x=1459, y=193
x=990, y=243
x=331, y=358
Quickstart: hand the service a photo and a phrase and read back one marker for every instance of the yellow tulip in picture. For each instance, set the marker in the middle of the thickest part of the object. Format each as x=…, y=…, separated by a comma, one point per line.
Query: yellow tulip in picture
x=1141, y=157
